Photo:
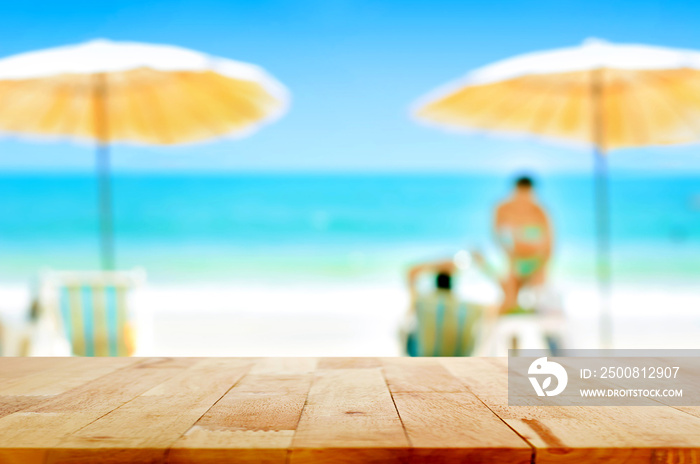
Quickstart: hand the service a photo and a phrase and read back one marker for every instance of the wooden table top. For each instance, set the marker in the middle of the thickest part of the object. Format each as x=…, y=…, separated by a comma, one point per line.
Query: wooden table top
x=303, y=410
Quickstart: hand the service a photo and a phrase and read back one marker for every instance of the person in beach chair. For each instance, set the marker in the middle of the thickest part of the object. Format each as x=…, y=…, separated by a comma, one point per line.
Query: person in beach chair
x=522, y=229
x=440, y=324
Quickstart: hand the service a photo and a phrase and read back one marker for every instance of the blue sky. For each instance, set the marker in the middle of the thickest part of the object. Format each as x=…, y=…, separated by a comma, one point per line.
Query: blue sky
x=353, y=67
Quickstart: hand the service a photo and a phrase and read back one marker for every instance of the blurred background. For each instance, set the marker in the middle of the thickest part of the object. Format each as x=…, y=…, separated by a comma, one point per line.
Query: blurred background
x=297, y=239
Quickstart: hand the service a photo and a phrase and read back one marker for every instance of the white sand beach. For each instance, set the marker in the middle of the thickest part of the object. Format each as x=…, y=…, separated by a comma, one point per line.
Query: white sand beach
x=241, y=319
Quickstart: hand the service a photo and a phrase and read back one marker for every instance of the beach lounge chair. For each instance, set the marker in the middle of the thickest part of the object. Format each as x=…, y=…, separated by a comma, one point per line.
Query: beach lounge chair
x=86, y=313
x=538, y=324
x=444, y=326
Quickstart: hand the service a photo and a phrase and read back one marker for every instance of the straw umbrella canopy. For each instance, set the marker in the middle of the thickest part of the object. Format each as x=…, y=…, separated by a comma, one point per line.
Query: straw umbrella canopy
x=104, y=92
x=603, y=95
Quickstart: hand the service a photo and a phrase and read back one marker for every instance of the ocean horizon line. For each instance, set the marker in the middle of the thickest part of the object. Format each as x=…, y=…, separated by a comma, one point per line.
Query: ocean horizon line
x=616, y=174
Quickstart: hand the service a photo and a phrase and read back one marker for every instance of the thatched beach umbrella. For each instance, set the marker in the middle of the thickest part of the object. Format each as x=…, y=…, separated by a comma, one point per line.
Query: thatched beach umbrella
x=605, y=95
x=105, y=92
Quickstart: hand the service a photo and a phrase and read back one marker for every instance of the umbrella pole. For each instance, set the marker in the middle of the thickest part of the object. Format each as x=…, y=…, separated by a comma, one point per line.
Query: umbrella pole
x=103, y=173
x=105, y=208
x=602, y=207
x=602, y=200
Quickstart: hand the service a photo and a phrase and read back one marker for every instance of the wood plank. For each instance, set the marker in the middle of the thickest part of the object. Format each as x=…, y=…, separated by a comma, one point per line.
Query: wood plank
x=27, y=381
x=268, y=404
x=692, y=410
x=64, y=377
x=303, y=410
x=203, y=446
x=348, y=363
x=24, y=392
x=13, y=368
x=349, y=417
x=634, y=434
x=419, y=375
x=283, y=366
x=255, y=421
x=110, y=391
x=12, y=404
x=28, y=435
x=485, y=377
x=457, y=427
x=142, y=429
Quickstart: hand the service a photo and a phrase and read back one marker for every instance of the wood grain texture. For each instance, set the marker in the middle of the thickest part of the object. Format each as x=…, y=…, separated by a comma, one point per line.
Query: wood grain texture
x=308, y=410
x=630, y=434
x=11, y=368
x=457, y=427
x=142, y=429
x=36, y=431
x=357, y=422
x=63, y=377
x=419, y=375
x=255, y=421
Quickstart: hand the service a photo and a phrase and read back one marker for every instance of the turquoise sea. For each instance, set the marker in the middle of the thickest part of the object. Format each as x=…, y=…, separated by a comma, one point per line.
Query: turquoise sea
x=216, y=227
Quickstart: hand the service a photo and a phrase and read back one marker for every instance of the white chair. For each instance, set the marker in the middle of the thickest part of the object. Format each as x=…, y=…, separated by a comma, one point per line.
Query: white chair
x=542, y=329
x=516, y=331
